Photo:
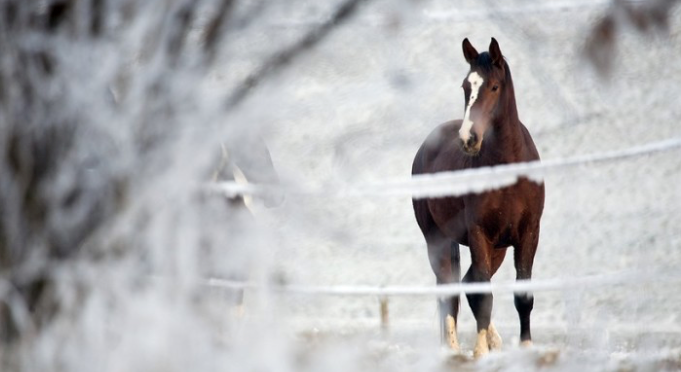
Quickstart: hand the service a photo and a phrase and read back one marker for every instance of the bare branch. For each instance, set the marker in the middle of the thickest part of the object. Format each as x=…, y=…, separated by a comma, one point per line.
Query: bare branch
x=178, y=34
x=214, y=28
x=600, y=48
x=285, y=57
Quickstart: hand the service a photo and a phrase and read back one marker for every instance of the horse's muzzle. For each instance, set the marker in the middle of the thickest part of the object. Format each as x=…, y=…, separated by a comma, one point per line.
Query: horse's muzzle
x=472, y=145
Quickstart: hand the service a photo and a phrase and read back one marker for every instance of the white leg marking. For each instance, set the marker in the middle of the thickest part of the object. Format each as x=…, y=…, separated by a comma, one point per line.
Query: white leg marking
x=240, y=178
x=452, y=340
x=476, y=82
x=481, y=346
x=493, y=338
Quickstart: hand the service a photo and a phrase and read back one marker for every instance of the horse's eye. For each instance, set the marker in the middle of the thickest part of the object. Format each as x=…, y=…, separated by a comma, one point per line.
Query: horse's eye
x=494, y=88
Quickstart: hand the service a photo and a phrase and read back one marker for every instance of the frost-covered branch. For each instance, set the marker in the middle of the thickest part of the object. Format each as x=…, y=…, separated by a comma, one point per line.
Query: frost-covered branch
x=284, y=58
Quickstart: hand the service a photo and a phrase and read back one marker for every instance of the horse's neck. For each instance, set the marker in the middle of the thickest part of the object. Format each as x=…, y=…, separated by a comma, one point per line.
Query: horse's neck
x=507, y=144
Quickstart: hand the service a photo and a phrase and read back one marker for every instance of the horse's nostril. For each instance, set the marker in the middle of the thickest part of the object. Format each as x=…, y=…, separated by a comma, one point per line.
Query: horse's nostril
x=472, y=140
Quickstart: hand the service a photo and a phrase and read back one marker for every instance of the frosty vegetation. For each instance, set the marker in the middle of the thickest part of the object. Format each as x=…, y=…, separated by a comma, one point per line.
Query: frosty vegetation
x=118, y=117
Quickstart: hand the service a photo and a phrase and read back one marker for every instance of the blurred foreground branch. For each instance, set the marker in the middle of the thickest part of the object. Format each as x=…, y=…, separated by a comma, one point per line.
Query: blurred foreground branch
x=282, y=59
x=72, y=158
x=647, y=18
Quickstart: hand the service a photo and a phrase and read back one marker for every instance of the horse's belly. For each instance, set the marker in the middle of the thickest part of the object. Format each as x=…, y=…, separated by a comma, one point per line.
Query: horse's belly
x=450, y=217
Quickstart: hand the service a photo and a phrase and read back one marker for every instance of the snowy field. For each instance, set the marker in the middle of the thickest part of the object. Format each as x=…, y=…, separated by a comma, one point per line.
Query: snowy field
x=356, y=110
x=353, y=111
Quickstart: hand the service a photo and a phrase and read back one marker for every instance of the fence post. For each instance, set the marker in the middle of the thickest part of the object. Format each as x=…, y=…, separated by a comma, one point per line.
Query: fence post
x=384, y=312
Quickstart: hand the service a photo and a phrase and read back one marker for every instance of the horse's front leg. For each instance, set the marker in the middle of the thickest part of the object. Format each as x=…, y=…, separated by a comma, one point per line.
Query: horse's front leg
x=493, y=338
x=480, y=303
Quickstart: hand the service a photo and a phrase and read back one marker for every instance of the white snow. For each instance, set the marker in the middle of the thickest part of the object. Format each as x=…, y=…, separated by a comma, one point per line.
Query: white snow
x=343, y=124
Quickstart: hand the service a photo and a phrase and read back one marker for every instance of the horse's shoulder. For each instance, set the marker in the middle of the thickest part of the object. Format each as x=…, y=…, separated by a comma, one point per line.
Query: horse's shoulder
x=450, y=127
x=439, y=145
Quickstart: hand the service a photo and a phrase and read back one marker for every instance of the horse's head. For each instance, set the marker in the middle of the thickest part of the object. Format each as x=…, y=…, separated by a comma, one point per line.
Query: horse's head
x=483, y=87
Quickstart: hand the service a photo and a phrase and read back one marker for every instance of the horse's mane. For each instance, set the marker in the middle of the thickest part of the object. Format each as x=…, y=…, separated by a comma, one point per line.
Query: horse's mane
x=484, y=62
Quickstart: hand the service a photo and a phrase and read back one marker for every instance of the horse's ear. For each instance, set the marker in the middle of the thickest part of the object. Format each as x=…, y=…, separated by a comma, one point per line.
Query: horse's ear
x=495, y=53
x=469, y=52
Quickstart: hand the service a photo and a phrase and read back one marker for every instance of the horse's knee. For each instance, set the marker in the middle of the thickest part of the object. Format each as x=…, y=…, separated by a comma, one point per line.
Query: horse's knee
x=480, y=303
x=476, y=274
x=443, y=274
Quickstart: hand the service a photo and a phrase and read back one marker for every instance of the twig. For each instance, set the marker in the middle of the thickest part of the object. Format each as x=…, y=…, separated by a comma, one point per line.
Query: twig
x=285, y=57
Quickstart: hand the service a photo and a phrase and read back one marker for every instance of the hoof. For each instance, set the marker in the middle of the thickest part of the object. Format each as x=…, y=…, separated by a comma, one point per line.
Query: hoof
x=480, y=351
x=481, y=346
x=454, y=347
x=526, y=343
x=493, y=339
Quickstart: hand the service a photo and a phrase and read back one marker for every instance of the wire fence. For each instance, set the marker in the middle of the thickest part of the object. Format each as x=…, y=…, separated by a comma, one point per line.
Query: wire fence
x=452, y=183
x=592, y=282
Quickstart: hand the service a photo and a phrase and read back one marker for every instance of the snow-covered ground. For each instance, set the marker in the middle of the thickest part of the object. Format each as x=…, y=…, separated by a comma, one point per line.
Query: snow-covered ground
x=356, y=110
x=353, y=111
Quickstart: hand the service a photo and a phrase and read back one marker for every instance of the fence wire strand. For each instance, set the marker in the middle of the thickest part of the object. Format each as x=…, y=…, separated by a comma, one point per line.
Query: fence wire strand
x=454, y=183
x=591, y=282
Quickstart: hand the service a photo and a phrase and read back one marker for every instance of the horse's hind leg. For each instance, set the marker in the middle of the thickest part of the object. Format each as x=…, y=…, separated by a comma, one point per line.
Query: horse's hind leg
x=445, y=262
x=524, y=301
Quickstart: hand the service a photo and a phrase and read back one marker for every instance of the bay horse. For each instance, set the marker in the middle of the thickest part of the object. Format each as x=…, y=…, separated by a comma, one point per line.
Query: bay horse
x=488, y=222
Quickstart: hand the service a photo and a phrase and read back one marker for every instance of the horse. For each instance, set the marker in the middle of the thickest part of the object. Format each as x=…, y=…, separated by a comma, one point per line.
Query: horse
x=245, y=159
x=489, y=222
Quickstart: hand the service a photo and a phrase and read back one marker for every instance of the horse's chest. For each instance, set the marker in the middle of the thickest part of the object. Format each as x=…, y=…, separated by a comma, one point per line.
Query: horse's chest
x=500, y=226
x=499, y=214
x=496, y=213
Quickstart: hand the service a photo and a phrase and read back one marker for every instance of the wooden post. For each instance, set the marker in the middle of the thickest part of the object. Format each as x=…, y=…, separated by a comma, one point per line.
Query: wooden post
x=384, y=312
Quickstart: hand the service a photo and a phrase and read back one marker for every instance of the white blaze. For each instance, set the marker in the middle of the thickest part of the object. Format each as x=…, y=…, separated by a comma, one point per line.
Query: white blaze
x=476, y=82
